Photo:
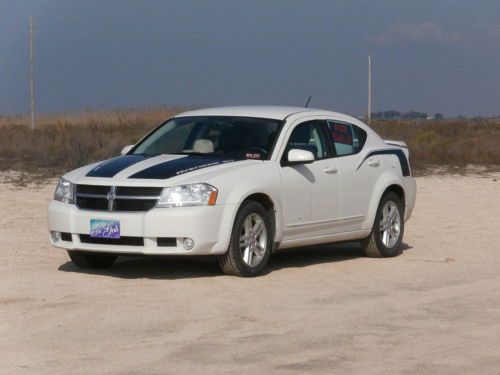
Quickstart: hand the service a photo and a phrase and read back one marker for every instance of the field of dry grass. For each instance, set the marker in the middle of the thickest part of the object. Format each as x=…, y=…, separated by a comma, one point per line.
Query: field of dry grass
x=66, y=141
x=449, y=143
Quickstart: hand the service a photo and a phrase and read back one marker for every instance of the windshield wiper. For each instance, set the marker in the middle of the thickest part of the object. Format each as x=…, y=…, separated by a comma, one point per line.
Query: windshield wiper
x=147, y=155
x=196, y=153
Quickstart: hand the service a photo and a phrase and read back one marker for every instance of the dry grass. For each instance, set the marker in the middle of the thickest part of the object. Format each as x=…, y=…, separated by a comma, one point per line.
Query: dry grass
x=62, y=142
x=66, y=141
x=152, y=115
x=446, y=143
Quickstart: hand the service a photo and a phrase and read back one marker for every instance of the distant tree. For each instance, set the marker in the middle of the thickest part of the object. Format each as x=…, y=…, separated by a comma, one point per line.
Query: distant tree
x=438, y=116
x=390, y=115
x=377, y=115
x=412, y=115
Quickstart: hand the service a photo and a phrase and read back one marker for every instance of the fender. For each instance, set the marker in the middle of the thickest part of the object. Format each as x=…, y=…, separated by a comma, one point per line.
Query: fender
x=244, y=185
x=278, y=210
x=385, y=180
x=403, y=161
x=231, y=210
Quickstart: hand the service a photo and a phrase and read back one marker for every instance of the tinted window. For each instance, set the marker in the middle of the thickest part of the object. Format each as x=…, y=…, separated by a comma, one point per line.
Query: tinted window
x=347, y=139
x=309, y=137
x=234, y=137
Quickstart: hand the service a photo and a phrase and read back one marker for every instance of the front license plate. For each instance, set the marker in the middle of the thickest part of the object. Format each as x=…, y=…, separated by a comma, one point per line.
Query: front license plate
x=104, y=228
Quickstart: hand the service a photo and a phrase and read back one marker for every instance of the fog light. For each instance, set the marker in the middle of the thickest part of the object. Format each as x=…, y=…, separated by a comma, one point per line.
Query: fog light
x=56, y=236
x=188, y=243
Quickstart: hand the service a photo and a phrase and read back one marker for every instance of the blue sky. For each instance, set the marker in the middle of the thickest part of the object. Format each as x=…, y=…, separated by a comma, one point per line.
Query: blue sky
x=428, y=55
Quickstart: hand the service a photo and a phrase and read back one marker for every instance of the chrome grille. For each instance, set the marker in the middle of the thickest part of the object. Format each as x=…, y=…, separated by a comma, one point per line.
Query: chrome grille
x=116, y=198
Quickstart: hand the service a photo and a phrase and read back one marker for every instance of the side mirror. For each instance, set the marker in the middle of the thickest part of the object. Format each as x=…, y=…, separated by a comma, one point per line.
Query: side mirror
x=297, y=156
x=126, y=149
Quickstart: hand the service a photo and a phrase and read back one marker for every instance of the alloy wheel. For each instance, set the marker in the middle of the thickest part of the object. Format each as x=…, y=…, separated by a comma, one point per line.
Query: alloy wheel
x=390, y=224
x=253, y=240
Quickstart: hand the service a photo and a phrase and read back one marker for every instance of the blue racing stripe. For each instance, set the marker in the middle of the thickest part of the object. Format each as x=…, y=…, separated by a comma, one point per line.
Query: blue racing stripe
x=179, y=166
x=112, y=167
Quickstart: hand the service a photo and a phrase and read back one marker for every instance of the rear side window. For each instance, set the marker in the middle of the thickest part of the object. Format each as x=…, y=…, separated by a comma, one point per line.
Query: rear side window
x=347, y=139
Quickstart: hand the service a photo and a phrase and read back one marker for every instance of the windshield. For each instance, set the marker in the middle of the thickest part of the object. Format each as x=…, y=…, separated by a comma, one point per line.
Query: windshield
x=229, y=137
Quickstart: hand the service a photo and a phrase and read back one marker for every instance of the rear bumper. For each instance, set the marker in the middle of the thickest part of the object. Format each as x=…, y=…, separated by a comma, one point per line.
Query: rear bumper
x=410, y=187
x=208, y=226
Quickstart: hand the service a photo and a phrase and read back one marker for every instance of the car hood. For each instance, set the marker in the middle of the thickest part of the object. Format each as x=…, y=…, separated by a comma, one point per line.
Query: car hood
x=162, y=170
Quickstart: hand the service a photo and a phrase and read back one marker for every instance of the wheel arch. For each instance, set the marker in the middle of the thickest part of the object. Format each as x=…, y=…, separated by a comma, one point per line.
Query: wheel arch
x=387, y=183
x=269, y=205
x=396, y=189
x=264, y=199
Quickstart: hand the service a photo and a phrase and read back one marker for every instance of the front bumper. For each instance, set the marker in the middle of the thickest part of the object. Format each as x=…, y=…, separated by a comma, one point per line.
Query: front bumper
x=208, y=226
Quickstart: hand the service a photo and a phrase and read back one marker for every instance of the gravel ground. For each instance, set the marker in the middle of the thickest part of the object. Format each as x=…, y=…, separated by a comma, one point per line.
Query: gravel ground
x=435, y=309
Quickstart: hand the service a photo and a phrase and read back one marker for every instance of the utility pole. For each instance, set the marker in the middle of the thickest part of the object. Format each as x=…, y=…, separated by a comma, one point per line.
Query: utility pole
x=369, y=89
x=32, y=77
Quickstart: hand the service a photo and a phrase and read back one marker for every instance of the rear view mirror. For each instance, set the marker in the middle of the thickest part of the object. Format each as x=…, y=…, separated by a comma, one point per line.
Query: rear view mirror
x=297, y=156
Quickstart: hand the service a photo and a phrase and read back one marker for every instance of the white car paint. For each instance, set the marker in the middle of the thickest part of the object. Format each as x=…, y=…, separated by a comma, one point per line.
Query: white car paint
x=329, y=200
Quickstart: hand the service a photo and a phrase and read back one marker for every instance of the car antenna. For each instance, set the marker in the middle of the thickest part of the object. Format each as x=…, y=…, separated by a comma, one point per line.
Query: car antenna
x=308, y=101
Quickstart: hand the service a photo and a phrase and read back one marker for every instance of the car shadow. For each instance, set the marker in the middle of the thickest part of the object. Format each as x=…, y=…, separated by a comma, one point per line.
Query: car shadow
x=153, y=267
x=172, y=268
x=311, y=255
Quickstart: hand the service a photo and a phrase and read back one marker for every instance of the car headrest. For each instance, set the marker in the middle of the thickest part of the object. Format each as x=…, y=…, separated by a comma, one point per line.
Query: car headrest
x=204, y=146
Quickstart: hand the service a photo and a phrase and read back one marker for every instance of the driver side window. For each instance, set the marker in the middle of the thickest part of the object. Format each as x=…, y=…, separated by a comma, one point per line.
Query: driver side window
x=308, y=136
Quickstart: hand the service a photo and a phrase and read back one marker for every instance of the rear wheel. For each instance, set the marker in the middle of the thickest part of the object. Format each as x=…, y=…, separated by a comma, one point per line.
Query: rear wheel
x=251, y=242
x=388, y=228
x=91, y=260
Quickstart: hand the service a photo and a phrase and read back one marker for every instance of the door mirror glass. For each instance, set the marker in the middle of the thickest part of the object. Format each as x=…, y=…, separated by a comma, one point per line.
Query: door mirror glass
x=297, y=156
x=126, y=149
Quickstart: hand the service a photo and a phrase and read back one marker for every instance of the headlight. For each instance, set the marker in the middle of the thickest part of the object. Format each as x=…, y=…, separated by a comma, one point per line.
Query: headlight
x=64, y=191
x=188, y=195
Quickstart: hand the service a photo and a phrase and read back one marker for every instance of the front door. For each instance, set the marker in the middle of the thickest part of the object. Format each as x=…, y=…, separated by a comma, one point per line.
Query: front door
x=311, y=192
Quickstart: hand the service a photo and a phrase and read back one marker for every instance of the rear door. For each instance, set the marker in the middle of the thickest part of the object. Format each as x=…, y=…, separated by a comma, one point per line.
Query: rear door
x=311, y=192
x=357, y=182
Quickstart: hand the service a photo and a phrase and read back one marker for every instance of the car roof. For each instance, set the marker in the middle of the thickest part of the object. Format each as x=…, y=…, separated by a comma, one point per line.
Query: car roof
x=270, y=112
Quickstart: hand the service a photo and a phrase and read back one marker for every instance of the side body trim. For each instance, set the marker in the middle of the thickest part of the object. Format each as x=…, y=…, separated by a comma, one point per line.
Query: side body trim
x=405, y=167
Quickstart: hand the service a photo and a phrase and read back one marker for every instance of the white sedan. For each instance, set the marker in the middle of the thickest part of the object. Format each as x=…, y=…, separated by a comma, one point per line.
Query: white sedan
x=238, y=183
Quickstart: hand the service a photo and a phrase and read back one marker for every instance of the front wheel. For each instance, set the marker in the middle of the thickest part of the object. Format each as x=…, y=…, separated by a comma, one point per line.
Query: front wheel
x=388, y=229
x=251, y=242
x=91, y=260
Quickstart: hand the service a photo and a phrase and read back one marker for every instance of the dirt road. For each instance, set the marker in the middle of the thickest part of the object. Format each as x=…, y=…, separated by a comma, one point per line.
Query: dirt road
x=435, y=309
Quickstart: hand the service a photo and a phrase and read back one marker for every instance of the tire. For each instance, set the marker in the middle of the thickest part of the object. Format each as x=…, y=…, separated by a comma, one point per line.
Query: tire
x=253, y=227
x=383, y=241
x=91, y=260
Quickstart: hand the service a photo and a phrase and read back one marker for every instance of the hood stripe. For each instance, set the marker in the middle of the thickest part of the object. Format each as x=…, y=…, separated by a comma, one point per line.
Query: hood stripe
x=180, y=166
x=112, y=167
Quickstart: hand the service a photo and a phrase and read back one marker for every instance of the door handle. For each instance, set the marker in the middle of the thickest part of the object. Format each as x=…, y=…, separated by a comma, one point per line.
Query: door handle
x=330, y=170
x=373, y=162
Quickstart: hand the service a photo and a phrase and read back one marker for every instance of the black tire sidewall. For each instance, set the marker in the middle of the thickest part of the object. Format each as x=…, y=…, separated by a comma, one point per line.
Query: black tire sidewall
x=396, y=249
x=245, y=210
